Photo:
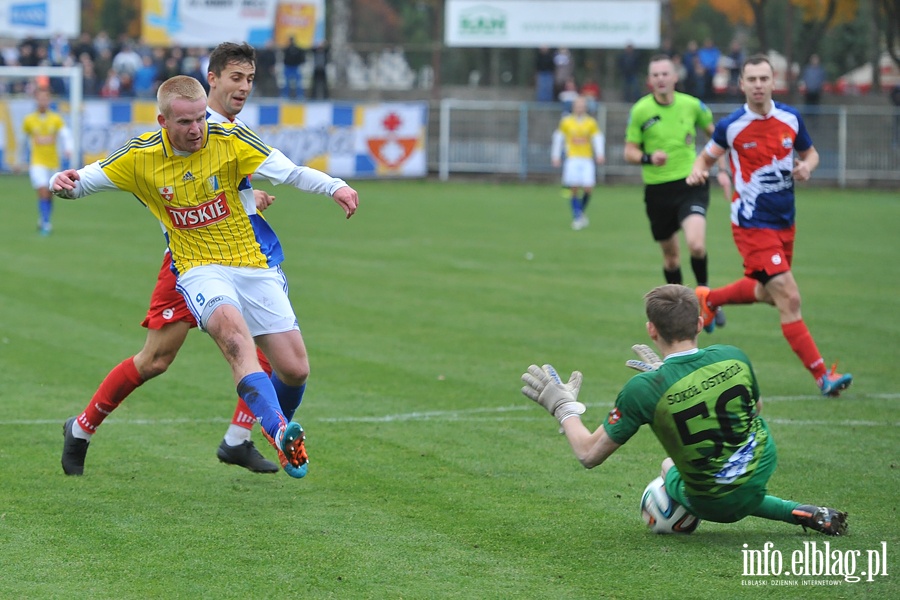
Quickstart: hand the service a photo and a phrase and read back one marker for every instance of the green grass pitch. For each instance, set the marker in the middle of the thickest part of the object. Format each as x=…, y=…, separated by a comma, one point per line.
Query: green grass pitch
x=431, y=476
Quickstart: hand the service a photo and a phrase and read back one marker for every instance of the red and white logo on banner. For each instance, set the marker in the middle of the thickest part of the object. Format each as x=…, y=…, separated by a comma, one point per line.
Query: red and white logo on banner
x=391, y=150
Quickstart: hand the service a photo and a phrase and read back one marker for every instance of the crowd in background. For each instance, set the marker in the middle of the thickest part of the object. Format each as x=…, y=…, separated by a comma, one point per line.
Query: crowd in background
x=696, y=65
x=123, y=68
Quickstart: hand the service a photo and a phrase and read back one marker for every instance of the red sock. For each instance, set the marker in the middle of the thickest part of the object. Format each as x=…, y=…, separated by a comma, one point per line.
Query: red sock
x=120, y=382
x=804, y=347
x=243, y=416
x=742, y=291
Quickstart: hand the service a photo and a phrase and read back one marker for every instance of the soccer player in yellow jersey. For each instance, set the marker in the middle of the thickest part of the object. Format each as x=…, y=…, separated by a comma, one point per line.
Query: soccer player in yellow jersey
x=188, y=174
x=584, y=146
x=45, y=130
x=232, y=71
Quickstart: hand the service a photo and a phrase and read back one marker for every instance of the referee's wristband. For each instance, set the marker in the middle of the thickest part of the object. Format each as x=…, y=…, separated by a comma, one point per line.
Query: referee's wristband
x=646, y=159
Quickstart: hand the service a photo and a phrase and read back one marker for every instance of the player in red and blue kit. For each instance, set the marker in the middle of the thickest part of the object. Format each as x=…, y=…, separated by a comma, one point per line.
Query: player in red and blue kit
x=760, y=140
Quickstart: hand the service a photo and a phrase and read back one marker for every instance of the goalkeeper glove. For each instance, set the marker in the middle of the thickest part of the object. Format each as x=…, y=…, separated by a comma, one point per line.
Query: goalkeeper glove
x=544, y=386
x=649, y=360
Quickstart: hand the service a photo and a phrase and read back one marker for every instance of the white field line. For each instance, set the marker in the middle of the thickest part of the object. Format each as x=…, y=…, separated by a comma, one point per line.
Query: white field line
x=496, y=413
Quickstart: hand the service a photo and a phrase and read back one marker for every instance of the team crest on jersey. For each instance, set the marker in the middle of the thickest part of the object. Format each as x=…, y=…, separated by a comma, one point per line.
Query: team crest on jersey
x=167, y=193
x=188, y=177
x=787, y=142
x=614, y=416
x=212, y=184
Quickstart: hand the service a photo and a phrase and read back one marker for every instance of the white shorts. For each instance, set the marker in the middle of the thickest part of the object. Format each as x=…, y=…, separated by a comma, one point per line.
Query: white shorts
x=40, y=176
x=260, y=294
x=579, y=172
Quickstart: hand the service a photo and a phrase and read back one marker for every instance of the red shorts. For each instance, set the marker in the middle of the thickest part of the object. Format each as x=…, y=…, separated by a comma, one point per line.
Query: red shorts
x=768, y=251
x=167, y=305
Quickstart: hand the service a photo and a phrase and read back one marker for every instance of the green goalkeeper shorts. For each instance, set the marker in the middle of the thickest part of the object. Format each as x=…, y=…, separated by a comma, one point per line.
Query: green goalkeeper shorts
x=736, y=505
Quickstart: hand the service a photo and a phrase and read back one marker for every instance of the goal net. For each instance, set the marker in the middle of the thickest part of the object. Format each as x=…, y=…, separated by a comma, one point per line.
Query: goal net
x=16, y=101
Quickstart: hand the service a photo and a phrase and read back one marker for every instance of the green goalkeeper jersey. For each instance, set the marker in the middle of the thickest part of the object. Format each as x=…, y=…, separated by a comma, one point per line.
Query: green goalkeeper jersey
x=671, y=128
x=702, y=408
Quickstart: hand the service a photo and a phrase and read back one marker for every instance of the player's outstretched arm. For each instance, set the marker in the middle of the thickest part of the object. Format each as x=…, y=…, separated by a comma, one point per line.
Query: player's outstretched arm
x=87, y=180
x=591, y=449
x=543, y=385
x=279, y=169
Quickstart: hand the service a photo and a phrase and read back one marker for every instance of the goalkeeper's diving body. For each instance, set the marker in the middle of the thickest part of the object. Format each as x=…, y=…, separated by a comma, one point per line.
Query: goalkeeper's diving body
x=703, y=406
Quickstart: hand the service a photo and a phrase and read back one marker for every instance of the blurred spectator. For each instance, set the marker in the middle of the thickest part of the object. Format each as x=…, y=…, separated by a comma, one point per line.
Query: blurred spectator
x=292, y=59
x=127, y=60
x=126, y=85
x=628, y=63
x=812, y=80
x=84, y=45
x=10, y=54
x=687, y=59
x=103, y=63
x=27, y=57
x=543, y=74
x=159, y=64
x=680, y=72
x=102, y=42
x=111, y=84
x=709, y=56
x=696, y=80
x=146, y=78
x=60, y=50
x=190, y=66
x=735, y=62
x=266, y=82
x=319, y=89
x=568, y=94
x=591, y=92
x=895, y=100
x=90, y=85
x=591, y=89
x=563, y=69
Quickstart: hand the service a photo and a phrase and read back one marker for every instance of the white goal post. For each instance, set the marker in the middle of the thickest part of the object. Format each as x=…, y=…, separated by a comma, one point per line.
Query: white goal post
x=76, y=96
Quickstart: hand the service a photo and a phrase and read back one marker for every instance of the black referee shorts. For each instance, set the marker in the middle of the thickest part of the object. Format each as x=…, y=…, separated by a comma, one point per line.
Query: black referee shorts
x=670, y=203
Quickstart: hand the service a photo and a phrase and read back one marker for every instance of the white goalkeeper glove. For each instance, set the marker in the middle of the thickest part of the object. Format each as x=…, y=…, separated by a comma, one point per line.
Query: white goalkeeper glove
x=544, y=386
x=649, y=360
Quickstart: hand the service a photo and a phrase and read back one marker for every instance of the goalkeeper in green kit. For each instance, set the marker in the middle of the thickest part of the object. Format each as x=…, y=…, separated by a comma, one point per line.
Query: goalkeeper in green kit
x=703, y=406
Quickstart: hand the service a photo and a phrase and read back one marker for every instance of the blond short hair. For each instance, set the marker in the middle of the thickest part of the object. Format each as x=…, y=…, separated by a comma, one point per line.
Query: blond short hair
x=179, y=87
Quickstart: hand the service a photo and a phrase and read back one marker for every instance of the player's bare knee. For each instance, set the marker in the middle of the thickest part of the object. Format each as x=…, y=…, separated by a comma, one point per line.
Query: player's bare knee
x=697, y=248
x=294, y=374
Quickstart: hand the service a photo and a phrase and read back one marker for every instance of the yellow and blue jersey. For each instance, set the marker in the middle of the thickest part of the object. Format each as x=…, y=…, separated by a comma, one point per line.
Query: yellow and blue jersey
x=579, y=133
x=43, y=130
x=197, y=197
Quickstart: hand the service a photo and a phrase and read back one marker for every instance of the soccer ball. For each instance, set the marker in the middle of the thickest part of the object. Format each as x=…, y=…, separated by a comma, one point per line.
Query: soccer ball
x=662, y=514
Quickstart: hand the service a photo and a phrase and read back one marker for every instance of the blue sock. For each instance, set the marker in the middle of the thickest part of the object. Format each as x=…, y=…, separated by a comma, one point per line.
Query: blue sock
x=45, y=207
x=257, y=391
x=576, y=207
x=289, y=396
